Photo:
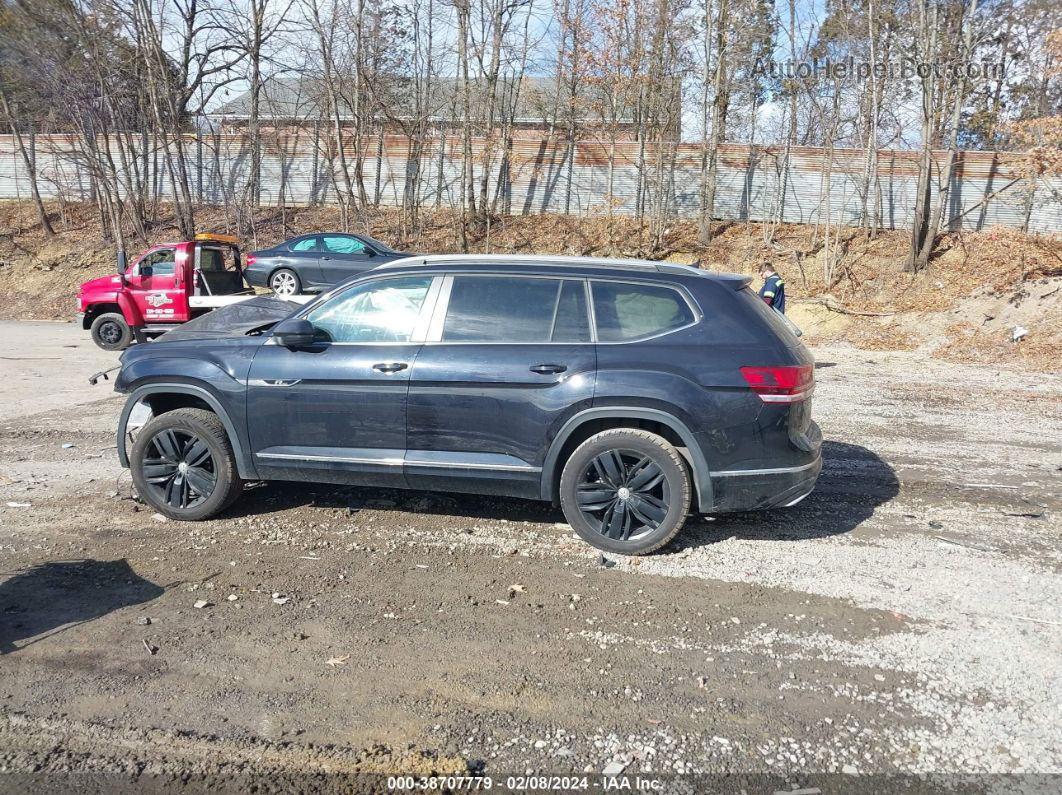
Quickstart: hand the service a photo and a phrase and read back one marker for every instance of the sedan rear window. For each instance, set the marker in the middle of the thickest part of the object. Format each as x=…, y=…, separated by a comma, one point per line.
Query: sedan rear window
x=309, y=244
x=625, y=311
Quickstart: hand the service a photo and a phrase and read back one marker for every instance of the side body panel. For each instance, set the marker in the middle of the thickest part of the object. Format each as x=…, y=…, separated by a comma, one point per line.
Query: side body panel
x=480, y=420
x=214, y=371
x=694, y=375
x=325, y=413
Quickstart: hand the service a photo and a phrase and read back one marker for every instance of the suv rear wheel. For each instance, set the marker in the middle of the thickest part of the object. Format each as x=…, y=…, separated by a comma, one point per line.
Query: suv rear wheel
x=111, y=332
x=625, y=491
x=183, y=465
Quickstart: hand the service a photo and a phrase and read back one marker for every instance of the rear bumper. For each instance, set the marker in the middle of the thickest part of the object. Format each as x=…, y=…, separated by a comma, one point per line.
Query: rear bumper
x=758, y=489
x=255, y=278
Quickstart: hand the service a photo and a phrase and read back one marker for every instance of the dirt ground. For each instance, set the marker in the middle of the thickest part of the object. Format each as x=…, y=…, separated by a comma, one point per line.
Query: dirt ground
x=902, y=619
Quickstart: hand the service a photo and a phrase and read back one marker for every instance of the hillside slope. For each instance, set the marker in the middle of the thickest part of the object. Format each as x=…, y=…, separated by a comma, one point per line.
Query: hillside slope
x=979, y=287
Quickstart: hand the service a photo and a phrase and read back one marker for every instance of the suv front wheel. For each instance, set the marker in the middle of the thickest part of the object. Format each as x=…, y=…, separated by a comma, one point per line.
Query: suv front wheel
x=626, y=491
x=183, y=465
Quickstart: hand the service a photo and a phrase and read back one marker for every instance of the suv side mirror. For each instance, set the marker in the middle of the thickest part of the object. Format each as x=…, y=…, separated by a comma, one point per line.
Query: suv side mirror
x=294, y=333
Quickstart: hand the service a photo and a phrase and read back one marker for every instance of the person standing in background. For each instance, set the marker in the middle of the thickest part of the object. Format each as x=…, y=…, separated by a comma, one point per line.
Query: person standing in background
x=773, y=290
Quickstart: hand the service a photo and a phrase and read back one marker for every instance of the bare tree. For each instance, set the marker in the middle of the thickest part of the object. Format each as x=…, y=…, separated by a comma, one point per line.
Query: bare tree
x=29, y=158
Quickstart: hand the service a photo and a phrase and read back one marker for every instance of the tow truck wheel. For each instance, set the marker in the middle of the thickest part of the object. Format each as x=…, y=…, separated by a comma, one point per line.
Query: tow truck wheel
x=285, y=282
x=111, y=332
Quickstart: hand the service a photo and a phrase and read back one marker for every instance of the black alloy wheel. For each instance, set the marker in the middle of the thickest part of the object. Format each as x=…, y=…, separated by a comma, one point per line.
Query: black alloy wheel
x=179, y=468
x=626, y=490
x=623, y=494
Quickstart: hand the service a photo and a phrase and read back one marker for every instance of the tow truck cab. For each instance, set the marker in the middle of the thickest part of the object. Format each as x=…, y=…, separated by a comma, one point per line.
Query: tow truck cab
x=168, y=284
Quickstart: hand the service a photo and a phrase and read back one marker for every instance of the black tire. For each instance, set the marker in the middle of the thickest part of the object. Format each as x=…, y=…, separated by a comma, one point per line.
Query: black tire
x=625, y=491
x=168, y=449
x=111, y=332
x=285, y=282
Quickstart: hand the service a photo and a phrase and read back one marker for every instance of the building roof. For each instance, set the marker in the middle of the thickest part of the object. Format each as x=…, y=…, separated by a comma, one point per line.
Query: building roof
x=296, y=98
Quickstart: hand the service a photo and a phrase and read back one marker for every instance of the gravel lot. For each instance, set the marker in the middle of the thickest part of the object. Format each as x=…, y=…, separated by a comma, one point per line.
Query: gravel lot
x=904, y=618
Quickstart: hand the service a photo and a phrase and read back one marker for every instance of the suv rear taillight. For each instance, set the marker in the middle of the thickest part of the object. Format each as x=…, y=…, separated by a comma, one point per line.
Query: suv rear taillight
x=789, y=384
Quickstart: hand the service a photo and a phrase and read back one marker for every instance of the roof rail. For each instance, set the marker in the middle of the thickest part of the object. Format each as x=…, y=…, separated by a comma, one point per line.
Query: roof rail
x=531, y=259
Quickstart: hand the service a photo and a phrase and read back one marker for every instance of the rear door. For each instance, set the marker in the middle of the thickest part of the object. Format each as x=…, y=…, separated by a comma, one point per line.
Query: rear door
x=507, y=360
x=156, y=287
x=343, y=256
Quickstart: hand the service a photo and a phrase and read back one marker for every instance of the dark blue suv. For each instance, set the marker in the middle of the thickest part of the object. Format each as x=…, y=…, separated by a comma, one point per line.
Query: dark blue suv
x=631, y=393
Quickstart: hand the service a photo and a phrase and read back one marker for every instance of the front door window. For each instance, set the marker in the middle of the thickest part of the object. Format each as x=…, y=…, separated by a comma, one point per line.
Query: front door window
x=379, y=311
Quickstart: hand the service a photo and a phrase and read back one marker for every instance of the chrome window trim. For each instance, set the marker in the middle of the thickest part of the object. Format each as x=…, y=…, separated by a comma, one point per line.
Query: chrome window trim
x=591, y=316
x=433, y=335
x=438, y=318
x=427, y=312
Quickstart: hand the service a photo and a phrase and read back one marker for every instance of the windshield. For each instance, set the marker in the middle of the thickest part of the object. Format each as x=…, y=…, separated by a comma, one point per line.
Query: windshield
x=381, y=247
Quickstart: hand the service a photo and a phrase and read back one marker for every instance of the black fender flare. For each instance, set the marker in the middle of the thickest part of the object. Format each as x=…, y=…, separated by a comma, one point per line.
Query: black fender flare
x=702, y=481
x=244, y=464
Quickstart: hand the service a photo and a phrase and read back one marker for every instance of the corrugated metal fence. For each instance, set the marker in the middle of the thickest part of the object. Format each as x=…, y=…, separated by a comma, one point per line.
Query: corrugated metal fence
x=986, y=189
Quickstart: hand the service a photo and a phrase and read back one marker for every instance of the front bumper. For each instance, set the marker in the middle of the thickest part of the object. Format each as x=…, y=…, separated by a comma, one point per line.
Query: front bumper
x=759, y=489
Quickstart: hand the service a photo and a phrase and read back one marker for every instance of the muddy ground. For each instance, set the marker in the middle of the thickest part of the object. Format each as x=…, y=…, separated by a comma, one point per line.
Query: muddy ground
x=902, y=619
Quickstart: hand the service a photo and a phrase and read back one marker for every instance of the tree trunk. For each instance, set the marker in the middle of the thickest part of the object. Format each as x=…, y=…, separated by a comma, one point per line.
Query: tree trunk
x=720, y=105
x=959, y=99
x=29, y=160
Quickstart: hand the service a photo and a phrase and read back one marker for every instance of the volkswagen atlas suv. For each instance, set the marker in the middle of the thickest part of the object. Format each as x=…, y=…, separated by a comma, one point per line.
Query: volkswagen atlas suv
x=630, y=393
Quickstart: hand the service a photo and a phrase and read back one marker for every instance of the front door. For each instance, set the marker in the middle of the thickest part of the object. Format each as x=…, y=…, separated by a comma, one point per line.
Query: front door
x=336, y=410
x=155, y=287
x=509, y=362
x=304, y=256
x=343, y=256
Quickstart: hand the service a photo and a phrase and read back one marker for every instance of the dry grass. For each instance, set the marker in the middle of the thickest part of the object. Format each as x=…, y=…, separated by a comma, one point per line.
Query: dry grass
x=39, y=277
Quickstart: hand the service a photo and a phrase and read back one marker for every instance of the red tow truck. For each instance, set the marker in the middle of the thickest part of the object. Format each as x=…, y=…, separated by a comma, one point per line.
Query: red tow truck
x=167, y=285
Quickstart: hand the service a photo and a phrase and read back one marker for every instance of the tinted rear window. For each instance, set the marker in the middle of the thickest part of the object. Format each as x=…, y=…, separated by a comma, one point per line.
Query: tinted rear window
x=514, y=309
x=627, y=312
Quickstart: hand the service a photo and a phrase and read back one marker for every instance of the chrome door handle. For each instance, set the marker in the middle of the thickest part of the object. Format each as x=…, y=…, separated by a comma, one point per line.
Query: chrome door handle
x=390, y=367
x=548, y=369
